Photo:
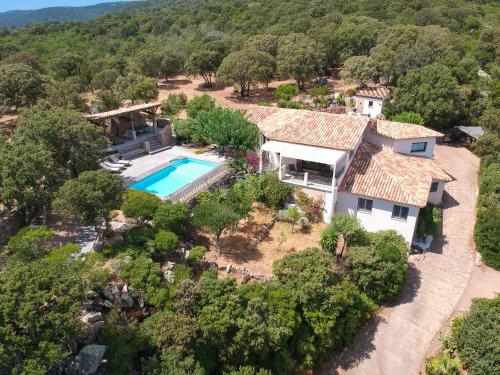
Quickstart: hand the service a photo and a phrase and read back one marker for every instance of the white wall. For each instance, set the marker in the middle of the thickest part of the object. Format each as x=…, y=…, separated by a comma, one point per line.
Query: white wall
x=379, y=140
x=374, y=111
x=436, y=196
x=381, y=216
x=403, y=146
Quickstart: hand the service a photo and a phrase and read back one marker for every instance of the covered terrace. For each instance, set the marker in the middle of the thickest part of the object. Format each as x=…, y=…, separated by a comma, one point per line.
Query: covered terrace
x=307, y=166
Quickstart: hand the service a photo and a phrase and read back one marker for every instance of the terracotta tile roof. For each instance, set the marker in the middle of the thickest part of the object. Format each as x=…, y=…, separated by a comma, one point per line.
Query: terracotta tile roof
x=374, y=92
x=384, y=174
x=309, y=127
x=401, y=130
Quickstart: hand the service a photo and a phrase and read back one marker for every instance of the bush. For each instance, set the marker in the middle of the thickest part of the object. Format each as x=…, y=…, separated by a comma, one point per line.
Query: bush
x=140, y=205
x=487, y=235
x=442, y=364
x=409, y=117
x=289, y=104
x=319, y=91
x=138, y=236
x=379, y=269
x=475, y=335
x=181, y=273
x=347, y=225
x=488, y=144
x=173, y=217
x=275, y=192
x=195, y=256
x=198, y=104
x=286, y=91
x=312, y=207
x=30, y=243
x=173, y=104
x=188, y=131
x=166, y=242
x=428, y=221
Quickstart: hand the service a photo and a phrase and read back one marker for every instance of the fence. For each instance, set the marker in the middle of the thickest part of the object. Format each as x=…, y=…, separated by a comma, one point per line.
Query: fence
x=190, y=191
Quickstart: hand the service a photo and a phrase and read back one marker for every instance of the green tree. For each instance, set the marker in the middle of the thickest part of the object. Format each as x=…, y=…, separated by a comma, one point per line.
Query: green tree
x=173, y=217
x=105, y=79
x=265, y=43
x=490, y=120
x=63, y=95
x=74, y=142
x=67, y=64
x=33, y=297
x=245, y=68
x=300, y=57
x=173, y=104
x=379, y=270
x=475, y=335
x=136, y=88
x=358, y=69
x=198, y=104
x=273, y=192
x=286, y=91
x=409, y=117
x=140, y=205
x=487, y=235
x=20, y=85
x=488, y=144
x=430, y=91
x=228, y=129
x=217, y=218
x=171, y=362
x=428, y=220
x=206, y=59
x=107, y=100
x=294, y=215
x=91, y=197
x=188, y=130
x=23, y=58
x=157, y=63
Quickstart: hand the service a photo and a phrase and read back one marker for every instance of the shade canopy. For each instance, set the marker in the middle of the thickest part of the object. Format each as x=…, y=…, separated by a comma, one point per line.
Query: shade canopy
x=123, y=111
x=303, y=152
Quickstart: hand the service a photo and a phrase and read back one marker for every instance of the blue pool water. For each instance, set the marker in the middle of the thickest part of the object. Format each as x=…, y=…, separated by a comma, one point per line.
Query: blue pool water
x=178, y=174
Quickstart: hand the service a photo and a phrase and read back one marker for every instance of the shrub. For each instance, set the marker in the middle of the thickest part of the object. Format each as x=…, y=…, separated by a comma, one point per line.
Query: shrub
x=286, y=91
x=319, y=91
x=166, y=242
x=350, y=92
x=195, y=256
x=312, y=207
x=140, y=205
x=30, y=243
x=289, y=104
x=275, y=192
x=487, y=235
x=379, y=269
x=188, y=130
x=344, y=224
x=198, y=104
x=181, y=273
x=428, y=221
x=475, y=335
x=442, y=364
x=173, y=104
x=408, y=117
x=488, y=144
x=173, y=217
x=340, y=100
x=138, y=236
x=264, y=103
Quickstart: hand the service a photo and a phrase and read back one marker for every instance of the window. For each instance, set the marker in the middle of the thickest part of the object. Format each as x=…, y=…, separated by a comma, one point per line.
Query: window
x=434, y=186
x=419, y=147
x=400, y=212
x=370, y=104
x=365, y=205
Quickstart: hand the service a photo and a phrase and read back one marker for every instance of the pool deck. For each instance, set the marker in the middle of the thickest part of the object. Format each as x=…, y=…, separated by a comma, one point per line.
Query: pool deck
x=141, y=166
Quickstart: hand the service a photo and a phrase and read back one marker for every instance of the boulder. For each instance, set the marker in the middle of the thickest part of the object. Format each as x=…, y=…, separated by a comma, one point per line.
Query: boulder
x=108, y=294
x=106, y=303
x=88, y=305
x=96, y=327
x=87, y=361
x=91, y=317
x=126, y=301
x=91, y=294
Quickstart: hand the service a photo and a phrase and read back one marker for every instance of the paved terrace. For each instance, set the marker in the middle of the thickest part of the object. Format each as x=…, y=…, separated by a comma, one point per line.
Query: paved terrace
x=141, y=166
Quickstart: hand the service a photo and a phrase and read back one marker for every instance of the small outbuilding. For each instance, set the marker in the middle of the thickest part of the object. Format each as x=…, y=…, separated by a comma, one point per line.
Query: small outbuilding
x=370, y=100
x=467, y=134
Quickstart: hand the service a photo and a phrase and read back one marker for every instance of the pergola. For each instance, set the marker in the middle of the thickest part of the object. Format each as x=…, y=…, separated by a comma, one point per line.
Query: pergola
x=149, y=108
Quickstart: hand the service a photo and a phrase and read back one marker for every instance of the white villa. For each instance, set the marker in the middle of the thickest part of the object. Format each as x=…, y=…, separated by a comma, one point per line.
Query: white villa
x=382, y=172
x=370, y=101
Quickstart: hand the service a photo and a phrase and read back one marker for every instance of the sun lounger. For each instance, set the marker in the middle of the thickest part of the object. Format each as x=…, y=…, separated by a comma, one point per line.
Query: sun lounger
x=115, y=160
x=110, y=169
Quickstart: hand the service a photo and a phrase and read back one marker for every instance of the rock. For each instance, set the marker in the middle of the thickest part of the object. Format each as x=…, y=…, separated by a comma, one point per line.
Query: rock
x=229, y=267
x=91, y=317
x=212, y=266
x=95, y=327
x=88, y=305
x=115, y=291
x=87, y=361
x=126, y=301
x=168, y=271
x=141, y=302
x=106, y=303
x=125, y=289
x=91, y=294
x=108, y=294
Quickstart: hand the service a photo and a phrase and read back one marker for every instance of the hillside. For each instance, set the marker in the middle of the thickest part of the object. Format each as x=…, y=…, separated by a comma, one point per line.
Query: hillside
x=20, y=18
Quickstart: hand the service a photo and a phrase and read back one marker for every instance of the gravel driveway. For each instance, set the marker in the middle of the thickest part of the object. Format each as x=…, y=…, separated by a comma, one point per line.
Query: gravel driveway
x=396, y=341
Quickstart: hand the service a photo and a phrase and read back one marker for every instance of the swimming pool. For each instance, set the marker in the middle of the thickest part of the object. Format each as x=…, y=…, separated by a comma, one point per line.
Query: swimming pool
x=177, y=175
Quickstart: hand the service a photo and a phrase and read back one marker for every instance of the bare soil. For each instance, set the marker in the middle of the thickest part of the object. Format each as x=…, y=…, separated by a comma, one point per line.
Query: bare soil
x=237, y=249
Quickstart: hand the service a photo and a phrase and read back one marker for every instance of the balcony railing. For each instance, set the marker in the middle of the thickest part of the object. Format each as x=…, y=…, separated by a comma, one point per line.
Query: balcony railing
x=306, y=179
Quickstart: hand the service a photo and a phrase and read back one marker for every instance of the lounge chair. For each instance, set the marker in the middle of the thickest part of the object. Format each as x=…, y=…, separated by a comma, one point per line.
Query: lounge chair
x=110, y=169
x=113, y=165
x=115, y=160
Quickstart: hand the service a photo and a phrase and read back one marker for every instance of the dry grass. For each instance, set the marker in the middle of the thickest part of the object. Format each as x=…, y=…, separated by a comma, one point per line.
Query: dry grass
x=237, y=246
